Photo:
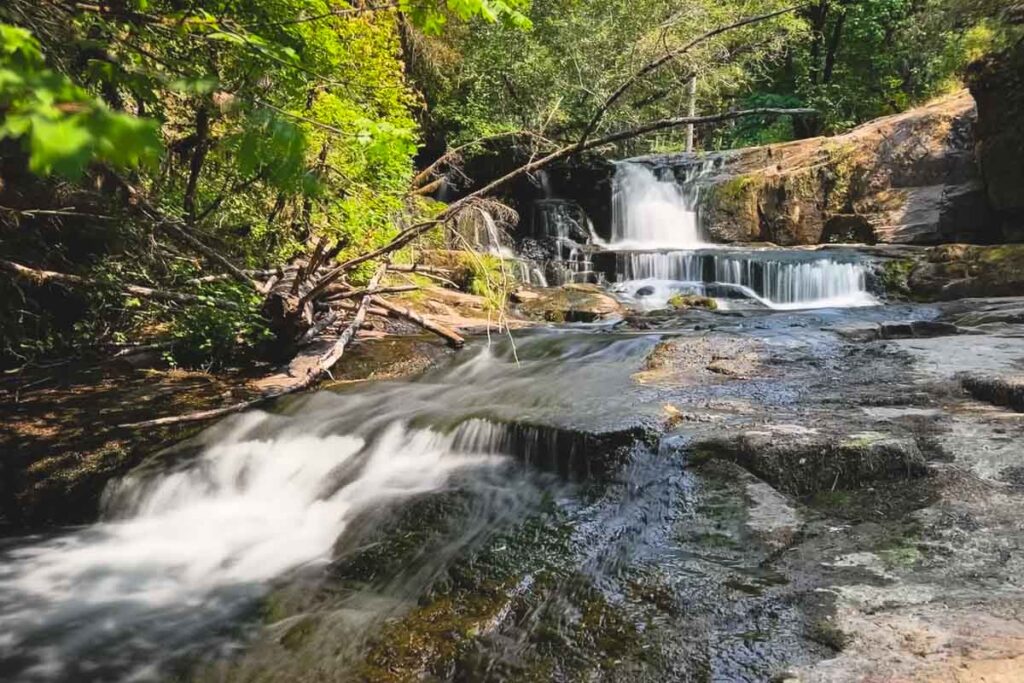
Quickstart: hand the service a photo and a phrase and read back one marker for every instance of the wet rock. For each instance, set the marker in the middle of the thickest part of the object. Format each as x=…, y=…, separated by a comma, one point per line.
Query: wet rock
x=578, y=303
x=1005, y=391
x=771, y=518
x=645, y=291
x=694, y=360
x=572, y=453
x=800, y=461
x=992, y=313
x=919, y=329
x=681, y=302
x=957, y=271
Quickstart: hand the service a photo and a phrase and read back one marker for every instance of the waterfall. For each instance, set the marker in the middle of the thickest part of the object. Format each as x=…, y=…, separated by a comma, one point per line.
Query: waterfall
x=181, y=551
x=566, y=229
x=649, y=212
x=778, y=280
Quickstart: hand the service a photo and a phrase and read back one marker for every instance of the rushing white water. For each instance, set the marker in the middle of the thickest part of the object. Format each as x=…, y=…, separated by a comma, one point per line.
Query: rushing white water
x=188, y=546
x=790, y=282
x=653, y=213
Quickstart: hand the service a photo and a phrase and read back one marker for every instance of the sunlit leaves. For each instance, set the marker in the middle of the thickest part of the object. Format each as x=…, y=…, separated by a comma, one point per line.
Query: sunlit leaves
x=431, y=16
x=61, y=125
x=273, y=147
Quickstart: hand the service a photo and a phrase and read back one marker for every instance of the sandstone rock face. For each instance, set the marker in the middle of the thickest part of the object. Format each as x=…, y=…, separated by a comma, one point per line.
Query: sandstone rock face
x=905, y=179
x=997, y=84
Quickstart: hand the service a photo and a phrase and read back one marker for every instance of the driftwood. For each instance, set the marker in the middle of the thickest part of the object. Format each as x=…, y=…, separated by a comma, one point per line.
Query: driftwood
x=221, y=277
x=450, y=336
x=322, y=367
x=418, y=268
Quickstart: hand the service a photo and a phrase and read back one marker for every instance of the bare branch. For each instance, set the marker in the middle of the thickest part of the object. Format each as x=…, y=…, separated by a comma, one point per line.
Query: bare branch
x=668, y=57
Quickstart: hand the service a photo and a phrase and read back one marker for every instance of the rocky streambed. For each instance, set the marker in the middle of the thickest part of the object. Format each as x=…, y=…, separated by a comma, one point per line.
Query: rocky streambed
x=683, y=494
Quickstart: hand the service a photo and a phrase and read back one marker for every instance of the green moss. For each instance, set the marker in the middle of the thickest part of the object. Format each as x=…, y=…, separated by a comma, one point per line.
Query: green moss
x=736, y=195
x=296, y=636
x=684, y=301
x=900, y=556
x=895, y=276
x=828, y=634
x=842, y=185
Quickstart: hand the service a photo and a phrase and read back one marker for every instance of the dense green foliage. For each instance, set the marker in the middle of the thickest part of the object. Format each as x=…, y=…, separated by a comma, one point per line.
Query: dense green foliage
x=850, y=59
x=280, y=122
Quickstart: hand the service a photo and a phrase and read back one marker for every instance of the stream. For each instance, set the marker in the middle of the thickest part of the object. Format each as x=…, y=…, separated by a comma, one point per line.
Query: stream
x=529, y=509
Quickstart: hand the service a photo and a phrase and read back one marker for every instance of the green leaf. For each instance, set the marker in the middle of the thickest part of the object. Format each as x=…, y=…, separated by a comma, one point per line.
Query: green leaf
x=59, y=146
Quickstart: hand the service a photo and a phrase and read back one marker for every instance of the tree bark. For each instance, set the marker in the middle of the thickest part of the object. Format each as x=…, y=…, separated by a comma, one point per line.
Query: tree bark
x=450, y=336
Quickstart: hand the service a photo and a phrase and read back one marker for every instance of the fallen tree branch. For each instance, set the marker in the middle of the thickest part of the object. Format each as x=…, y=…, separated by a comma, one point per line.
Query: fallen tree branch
x=406, y=236
x=220, y=277
x=313, y=375
x=188, y=238
x=450, y=336
x=42, y=277
x=176, y=228
x=349, y=294
x=453, y=154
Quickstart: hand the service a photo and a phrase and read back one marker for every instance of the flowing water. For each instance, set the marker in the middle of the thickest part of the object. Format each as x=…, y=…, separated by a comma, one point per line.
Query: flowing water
x=554, y=427
x=652, y=212
x=659, y=252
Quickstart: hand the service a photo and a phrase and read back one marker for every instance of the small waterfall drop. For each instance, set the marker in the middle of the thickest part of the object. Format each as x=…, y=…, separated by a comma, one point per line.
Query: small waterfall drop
x=649, y=212
x=779, y=280
x=183, y=550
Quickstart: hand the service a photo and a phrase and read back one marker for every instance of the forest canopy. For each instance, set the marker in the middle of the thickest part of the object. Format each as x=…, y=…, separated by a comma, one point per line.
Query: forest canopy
x=154, y=141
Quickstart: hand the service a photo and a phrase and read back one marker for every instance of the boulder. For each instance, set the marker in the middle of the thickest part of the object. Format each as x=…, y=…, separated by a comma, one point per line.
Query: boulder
x=998, y=390
x=577, y=303
x=997, y=84
x=956, y=271
x=802, y=461
x=904, y=179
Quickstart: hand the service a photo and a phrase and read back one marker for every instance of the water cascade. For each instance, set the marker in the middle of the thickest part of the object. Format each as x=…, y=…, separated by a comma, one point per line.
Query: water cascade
x=659, y=251
x=182, y=551
x=776, y=279
x=564, y=231
x=653, y=212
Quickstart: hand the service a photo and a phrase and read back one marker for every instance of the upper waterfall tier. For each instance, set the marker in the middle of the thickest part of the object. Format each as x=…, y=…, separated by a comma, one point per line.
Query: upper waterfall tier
x=649, y=212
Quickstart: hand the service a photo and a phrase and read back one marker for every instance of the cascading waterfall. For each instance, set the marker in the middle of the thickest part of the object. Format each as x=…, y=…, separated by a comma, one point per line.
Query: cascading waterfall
x=791, y=280
x=188, y=544
x=659, y=251
x=568, y=230
x=181, y=552
x=651, y=212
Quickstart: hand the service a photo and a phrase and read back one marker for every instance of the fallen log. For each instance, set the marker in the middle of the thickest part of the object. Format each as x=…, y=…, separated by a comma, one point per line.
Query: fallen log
x=352, y=293
x=450, y=336
x=418, y=268
x=220, y=277
x=313, y=375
